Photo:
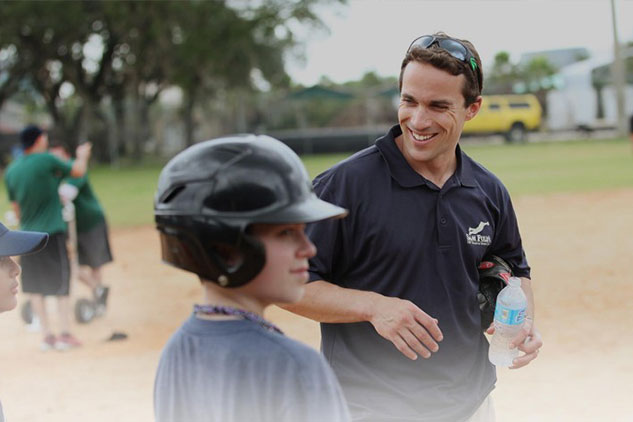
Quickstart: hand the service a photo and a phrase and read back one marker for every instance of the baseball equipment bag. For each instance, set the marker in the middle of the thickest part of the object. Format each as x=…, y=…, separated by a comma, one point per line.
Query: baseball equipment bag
x=494, y=274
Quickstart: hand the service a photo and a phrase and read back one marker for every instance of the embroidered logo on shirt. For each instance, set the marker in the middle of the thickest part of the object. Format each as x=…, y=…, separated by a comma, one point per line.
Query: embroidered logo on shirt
x=475, y=238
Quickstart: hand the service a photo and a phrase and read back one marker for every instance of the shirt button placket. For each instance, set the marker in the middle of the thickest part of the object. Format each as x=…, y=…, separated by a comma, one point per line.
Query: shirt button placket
x=442, y=223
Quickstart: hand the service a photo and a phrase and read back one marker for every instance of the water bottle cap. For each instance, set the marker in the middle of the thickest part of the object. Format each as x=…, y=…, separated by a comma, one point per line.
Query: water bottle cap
x=514, y=282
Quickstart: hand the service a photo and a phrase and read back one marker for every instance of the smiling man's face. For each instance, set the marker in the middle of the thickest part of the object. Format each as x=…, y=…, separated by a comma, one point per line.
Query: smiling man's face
x=431, y=114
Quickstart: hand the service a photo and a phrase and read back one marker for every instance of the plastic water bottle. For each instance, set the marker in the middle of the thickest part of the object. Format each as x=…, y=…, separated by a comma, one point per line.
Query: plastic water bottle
x=509, y=318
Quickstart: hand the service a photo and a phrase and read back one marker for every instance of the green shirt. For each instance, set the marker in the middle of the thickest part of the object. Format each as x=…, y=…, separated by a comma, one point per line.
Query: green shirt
x=32, y=181
x=88, y=211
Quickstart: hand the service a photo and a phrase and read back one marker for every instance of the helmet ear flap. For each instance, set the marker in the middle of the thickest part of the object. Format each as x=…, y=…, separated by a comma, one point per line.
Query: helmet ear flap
x=238, y=263
x=217, y=253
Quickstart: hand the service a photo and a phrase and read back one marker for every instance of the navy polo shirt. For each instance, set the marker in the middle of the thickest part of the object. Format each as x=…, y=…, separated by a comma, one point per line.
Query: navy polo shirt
x=404, y=237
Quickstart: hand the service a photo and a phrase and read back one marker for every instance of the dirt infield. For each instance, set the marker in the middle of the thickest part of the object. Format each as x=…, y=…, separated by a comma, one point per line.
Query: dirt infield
x=579, y=246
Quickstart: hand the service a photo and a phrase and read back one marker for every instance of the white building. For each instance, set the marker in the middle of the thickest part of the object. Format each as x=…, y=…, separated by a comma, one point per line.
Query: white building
x=575, y=104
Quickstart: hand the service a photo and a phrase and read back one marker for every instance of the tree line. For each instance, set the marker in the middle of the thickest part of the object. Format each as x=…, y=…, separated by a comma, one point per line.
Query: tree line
x=100, y=66
x=98, y=69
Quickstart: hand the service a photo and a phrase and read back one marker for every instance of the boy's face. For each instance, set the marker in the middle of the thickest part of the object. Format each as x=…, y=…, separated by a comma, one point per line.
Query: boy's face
x=9, y=272
x=283, y=278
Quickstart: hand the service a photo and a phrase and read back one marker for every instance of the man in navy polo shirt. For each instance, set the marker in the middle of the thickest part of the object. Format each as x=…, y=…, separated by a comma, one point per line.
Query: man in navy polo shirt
x=397, y=279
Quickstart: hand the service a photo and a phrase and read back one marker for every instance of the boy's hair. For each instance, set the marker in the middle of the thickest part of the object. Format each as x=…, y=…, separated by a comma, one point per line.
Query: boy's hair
x=209, y=194
x=442, y=59
x=29, y=135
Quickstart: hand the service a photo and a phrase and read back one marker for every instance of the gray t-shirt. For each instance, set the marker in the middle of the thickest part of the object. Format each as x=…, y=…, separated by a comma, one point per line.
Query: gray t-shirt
x=236, y=370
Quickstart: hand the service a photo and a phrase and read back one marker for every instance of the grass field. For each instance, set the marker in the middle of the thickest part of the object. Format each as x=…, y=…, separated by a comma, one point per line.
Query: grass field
x=127, y=193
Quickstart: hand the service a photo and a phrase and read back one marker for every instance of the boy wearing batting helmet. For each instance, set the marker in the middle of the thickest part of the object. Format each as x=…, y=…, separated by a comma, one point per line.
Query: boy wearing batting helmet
x=398, y=279
x=233, y=211
x=14, y=243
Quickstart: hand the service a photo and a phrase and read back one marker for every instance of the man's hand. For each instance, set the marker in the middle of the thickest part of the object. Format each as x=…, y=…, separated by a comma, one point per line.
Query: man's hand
x=528, y=340
x=410, y=329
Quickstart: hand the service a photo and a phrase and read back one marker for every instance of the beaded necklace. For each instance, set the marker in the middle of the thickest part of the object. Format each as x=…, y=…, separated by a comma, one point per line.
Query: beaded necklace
x=228, y=310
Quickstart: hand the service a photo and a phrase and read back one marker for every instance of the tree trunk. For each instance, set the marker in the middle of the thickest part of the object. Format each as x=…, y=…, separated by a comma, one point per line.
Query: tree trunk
x=187, y=116
x=94, y=128
x=113, y=129
x=134, y=148
x=144, y=132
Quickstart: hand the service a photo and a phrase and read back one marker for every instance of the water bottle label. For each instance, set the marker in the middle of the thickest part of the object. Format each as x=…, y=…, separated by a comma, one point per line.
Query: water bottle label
x=509, y=316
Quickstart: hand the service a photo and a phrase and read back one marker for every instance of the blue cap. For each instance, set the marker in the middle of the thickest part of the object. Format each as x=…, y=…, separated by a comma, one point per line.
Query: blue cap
x=14, y=242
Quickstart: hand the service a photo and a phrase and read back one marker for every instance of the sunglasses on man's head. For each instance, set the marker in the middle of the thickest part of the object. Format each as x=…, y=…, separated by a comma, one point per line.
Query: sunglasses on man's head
x=453, y=47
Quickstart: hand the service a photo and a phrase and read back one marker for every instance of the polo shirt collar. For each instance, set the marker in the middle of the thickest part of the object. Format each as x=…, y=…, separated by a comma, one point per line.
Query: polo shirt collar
x=402, y=172
x=464, y=171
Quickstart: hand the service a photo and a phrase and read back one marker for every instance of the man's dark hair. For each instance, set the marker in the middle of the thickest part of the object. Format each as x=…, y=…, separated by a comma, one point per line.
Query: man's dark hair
x=29, y=135
x=441, y=59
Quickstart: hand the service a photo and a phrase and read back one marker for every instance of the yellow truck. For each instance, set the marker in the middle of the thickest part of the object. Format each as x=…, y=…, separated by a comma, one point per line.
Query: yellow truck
x=509, y=115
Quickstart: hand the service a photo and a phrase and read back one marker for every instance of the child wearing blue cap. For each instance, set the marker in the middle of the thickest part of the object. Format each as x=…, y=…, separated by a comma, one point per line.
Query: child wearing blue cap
x=14, y=243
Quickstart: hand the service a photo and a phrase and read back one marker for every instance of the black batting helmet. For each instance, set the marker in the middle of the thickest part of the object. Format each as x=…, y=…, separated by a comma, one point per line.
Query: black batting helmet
x=211, y=192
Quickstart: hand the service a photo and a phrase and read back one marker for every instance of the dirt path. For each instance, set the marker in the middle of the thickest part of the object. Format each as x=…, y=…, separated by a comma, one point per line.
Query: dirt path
x=578, y=245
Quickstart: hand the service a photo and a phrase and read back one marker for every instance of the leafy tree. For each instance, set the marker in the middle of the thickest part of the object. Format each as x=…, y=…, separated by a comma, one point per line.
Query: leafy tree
x=502, y=76
x=536, y=78
x=49, y=52
x=93, y=61
x=364, y=102
x=9, y=75
x=140, y=67
x=223, y=51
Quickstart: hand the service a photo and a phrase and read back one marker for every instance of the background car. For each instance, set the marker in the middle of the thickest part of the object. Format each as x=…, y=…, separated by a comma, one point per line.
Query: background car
x=509, y=115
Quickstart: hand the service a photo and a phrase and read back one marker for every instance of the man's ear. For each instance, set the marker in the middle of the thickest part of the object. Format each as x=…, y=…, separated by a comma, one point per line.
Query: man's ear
x=473, y=109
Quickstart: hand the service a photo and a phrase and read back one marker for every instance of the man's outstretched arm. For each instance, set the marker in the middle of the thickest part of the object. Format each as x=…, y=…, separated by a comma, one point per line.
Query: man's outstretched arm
x=412, y=331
